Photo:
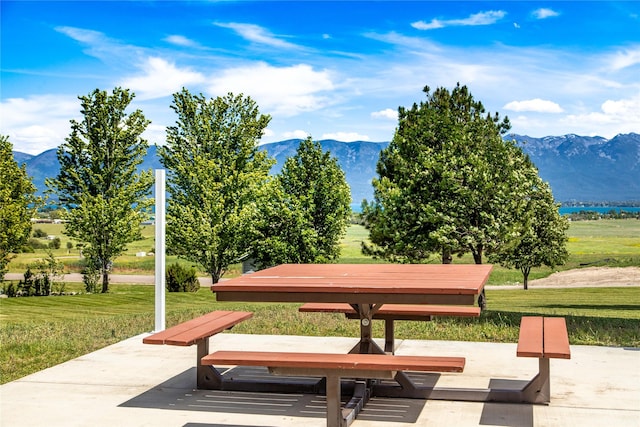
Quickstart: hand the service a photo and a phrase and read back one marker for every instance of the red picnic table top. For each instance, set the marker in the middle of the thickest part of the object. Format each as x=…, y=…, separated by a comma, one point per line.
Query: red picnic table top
x=359, y=284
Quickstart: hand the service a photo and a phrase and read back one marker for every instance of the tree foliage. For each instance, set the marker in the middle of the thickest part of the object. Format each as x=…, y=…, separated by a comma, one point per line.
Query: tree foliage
x=99, y=184
x=538, y=234
x=446, y=181
x=308, y=211
x=17, y=205
x=216, y=178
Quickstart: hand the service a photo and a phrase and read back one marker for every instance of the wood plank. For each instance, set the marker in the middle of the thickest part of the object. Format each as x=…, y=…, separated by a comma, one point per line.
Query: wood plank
x=189, y=332
x=556, y=339
x=396, y=309
x=335, y=361
x=530, y=343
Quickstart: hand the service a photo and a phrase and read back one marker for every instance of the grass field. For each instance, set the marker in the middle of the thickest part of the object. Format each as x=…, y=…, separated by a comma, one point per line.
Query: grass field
x=39, y=332
x=603, y=242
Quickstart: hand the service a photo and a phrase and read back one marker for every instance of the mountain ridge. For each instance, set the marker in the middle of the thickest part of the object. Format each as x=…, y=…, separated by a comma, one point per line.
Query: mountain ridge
x=578, y=168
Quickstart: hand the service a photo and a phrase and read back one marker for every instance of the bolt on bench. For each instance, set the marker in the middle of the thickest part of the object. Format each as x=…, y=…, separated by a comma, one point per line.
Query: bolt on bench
x=392, y=312
x=333, y=367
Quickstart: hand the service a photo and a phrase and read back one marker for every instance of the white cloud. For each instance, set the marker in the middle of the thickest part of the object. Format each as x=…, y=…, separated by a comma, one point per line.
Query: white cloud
x=387, y=113
x=38, y=123
x=345, y=136
x=544, y=13
x=482, y=18
x=98, y=45
x=179, y=40
x=296, y=134
x=82, y=35
x=280, y=91
x=160, y=78
x=536, y=105
x=614, y=117
x=256, y=34
x=624, y=59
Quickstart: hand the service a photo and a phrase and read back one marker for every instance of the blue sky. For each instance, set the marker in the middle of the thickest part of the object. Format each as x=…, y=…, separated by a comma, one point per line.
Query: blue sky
x=336, y=70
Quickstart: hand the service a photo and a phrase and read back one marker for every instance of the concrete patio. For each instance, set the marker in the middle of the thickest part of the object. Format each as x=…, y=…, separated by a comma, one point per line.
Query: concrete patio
x=131, y=384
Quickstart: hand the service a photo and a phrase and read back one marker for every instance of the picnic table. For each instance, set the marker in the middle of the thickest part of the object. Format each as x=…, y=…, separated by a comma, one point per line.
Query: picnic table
x=366, y=287
x=370, y=291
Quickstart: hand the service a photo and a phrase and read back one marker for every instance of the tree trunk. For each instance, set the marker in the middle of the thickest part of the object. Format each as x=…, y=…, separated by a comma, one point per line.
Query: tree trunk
x=446, y=256
x=215, y=277
x=477, y=254
x=105, y=281
x=525, y=277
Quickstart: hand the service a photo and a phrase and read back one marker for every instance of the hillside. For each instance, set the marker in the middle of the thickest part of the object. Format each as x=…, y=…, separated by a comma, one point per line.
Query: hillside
x=578, y=168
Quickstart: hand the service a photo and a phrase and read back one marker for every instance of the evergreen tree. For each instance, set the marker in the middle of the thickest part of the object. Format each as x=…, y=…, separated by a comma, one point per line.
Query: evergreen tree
x=445, y=182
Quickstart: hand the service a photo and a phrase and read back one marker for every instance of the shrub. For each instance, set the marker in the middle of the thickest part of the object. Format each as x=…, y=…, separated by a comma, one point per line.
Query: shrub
x=55, y=243
x=9, y=290
x=38, y=233
x=181, y=279
x=37, y=244
x=90, y=276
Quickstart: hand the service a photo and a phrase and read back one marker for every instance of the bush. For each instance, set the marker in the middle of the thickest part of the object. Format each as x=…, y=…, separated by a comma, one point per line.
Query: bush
x=9, y=290
x=39, y=234
x=181, y=279
x=55, y=243
x=90, y=276
x=37, y=244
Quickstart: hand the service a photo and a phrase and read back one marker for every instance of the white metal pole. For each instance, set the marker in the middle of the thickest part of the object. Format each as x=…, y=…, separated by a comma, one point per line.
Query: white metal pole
x=160, y=249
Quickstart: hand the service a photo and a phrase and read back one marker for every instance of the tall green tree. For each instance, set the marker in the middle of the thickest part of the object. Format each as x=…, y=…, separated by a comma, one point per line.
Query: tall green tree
x=17, y=205
x=309, y=211
x=99, y=185
x=538, y=234
x=445, y=181
x=216, y=178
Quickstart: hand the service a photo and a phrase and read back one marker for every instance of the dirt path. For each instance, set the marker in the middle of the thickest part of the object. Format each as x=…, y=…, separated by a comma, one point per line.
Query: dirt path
x=586, y=277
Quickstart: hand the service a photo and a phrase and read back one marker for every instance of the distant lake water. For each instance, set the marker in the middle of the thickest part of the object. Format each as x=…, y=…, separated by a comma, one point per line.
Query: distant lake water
x=598, y=209
x=357, y=208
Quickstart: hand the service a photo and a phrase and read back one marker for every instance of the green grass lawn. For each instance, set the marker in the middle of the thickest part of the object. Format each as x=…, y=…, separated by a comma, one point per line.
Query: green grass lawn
x=39, y=332
x=603, y=242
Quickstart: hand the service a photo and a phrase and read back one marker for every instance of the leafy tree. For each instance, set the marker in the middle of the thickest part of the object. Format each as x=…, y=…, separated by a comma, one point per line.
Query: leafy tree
x=216, y=177
x=105, y=196
x=538, y=235
x=17, y=205
x=445, y=181
x=308, y=212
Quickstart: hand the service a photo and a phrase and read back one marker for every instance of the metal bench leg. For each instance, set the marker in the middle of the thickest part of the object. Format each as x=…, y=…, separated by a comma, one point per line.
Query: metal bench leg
x=334, y=413
x=389, y=345
x=539, y=388
x=208, y=378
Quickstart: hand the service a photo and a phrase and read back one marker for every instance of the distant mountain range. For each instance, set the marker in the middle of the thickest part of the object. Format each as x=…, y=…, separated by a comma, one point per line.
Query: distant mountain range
x=578, y=168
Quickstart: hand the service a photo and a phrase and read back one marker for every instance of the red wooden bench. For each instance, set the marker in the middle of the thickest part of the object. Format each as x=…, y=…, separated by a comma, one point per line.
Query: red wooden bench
x=198, y=331
x=545, y=338
x=333, y=367
x=391, y=312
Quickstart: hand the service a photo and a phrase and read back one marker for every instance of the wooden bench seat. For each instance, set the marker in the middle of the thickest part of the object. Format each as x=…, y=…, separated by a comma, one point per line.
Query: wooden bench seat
x=391, y=312
x=545, y=338
x=198, y=331
x=333, y=367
